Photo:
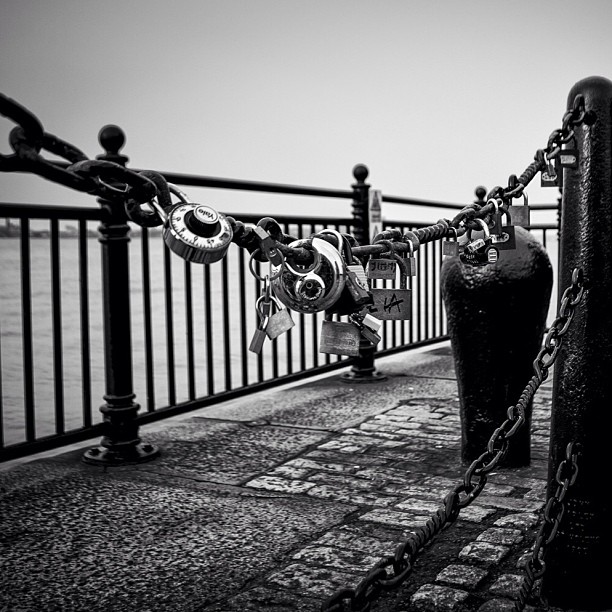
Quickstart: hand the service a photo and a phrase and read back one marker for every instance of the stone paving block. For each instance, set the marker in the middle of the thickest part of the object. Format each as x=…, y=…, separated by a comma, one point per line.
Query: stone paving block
x=498, y=605
x=518, y=520
x=419, y=506
x=347, y=537
x=288, y=471
x=484, y=553
x=465, y=576
x=509, y=503
x=449, y=483
x=375, y=433
x=282, y=485
x=315, y=581
x=507, y=585
x=352, y=496
x=330, y=456
x=501, y=535
x=349, y=481
x=436, y=598
x=337, y=558
x=476, y=514
x=393, y=517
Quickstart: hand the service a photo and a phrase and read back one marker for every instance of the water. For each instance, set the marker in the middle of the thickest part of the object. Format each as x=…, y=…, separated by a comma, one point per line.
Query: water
x=226, y=340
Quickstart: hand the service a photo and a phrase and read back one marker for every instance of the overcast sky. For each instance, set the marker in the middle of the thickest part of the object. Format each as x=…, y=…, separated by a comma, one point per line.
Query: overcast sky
x=435, y=97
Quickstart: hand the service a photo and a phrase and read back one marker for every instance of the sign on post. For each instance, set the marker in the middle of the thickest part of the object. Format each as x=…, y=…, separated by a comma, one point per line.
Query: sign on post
x=374, y=213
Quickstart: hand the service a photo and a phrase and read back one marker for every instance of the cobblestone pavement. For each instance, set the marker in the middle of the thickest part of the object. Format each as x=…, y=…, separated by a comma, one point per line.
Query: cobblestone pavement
x=273, y=502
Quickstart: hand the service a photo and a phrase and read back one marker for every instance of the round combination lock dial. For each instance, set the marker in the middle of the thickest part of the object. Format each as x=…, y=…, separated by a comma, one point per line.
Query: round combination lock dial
x=198, y=233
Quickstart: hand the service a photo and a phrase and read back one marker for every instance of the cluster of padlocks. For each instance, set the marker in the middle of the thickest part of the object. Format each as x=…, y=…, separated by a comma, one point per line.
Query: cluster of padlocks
x=332, y=280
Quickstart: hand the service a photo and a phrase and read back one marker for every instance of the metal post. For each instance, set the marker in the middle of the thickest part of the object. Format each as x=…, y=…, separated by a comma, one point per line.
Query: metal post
x=120, y=444
x=363, y=369
x=578, y=569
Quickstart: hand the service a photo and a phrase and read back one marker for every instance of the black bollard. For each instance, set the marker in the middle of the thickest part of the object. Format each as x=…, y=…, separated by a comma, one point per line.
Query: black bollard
x=496, y=318
x=578, y=568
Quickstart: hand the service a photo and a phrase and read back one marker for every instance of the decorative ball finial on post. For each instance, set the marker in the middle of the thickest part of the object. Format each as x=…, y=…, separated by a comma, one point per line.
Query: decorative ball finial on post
x=480, y=192
x=360, y=172
x=112, y=139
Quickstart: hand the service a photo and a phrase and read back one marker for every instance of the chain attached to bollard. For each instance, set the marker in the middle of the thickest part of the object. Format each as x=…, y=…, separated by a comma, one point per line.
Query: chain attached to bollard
x=553, y=514
x=392, y=571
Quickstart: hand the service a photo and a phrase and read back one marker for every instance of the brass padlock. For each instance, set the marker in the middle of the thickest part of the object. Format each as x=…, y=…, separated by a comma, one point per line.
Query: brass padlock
x=520, y=214
x=313, y=288
x=503, y=238
x=450, y=248
x=339, y=338
x=280, y=321
x=394, y=304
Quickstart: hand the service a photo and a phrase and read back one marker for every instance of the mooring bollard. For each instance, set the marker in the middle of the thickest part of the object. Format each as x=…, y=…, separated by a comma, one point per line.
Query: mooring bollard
x=363, y=369
x=578, y=566
x=496, y=318
x=120, y=444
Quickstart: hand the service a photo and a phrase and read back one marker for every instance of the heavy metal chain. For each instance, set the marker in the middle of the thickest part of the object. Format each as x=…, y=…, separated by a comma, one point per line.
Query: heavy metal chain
x=392, y=571
x=553, y=513
x=113, y=181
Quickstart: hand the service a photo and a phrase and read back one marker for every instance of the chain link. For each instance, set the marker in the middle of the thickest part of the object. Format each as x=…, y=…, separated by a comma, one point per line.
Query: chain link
x=553, y=514
x=461, y=496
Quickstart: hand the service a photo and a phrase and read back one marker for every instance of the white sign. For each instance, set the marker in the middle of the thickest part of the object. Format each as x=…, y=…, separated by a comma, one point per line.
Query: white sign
x=375, y=212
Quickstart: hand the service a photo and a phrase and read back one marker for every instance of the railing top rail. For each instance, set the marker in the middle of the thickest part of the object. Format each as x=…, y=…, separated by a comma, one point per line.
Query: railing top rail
x=49, y=211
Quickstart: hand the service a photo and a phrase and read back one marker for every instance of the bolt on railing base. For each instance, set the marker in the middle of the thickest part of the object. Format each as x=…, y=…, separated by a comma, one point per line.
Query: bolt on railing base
x=362, y=377
x=123, y=455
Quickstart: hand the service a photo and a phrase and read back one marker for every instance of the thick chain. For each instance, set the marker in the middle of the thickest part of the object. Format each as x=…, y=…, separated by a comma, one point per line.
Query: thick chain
x=553, y=513
x=390, y=572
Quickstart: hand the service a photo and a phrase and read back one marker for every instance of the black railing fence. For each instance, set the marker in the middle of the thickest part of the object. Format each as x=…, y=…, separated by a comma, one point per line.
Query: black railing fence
x=190, y=324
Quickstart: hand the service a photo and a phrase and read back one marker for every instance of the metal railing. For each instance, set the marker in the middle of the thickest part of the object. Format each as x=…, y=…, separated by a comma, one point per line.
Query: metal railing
x=190, y=324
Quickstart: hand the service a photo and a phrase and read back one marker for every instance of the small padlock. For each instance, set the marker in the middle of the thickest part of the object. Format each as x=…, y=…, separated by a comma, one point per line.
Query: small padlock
x=504, y=236
x=450, y=248
x=339, y=338
x=381, y=268
x=263, y=306
x=474, y=252
x=280, y=321
x=520, y=214
x=394, y=304
x=367, y=325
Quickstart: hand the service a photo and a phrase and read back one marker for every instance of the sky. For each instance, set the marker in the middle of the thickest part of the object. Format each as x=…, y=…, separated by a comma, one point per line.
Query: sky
x=435, y=98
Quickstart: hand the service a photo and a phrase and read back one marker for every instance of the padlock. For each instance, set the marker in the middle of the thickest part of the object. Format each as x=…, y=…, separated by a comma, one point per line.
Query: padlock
x=280, y=321
x=339, y=338
x=196, y=232
x=520, y=214
x=367, y=325
x=450, y=248
x=504, y=236
x=355, y=294
x=475, y=252
x=263, y=307
x=313, y=288
x=382, y=268
x=393, y=304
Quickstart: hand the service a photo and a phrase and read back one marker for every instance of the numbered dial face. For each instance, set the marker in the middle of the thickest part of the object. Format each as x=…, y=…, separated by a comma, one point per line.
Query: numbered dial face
x=197, y=233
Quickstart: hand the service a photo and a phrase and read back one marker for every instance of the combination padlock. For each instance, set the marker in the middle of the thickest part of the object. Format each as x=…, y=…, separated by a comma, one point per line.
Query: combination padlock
x=313, y=288
x=479, y=252
x=196, y=232
x=355, y=294
x=394, y=304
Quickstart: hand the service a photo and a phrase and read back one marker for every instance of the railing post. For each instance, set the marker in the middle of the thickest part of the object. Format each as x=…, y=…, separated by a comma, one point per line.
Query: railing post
x=363, y=369
x=120, y=444
x=578, y=569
